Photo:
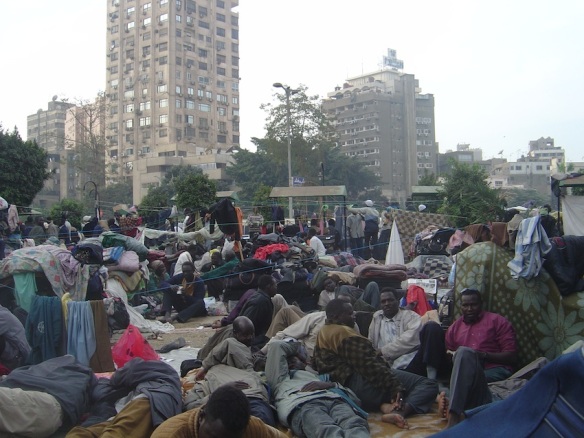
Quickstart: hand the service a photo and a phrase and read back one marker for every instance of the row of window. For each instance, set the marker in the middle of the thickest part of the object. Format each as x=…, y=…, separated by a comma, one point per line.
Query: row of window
x=190, y=5
x=188, y=132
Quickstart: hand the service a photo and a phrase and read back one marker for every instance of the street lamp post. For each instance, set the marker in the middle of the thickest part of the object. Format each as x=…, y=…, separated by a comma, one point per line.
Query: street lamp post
x=96, y=198
x=289, y=92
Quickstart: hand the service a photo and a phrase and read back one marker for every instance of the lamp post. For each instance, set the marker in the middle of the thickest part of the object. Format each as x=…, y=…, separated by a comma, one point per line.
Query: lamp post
x=96, y=194
x=289, y=92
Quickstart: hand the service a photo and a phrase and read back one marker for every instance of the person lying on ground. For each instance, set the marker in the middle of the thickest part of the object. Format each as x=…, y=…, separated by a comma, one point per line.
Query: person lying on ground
x=225, y=415
x=351, y=360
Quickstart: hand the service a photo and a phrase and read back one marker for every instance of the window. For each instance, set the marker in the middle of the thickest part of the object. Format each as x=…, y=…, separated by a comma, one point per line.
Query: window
x=203, y=80
x=235, y=73
x=220, y=84
x=190, y=21
x=147, y=7
x=202, y=11
x=222, y=98
x=162, y=47
x=129, y=123
x=209, y=95
x=235, y=86
x=190, y=91
x=146, y=134
x=162, y=18
x=178, y=33
x=235, y=60
x=220, y=17
x=114, y=56
x=189, y=48
x=203, y=123
x=189, y=104
x=145, y=121
x=115, y=29
x=163, y=133
x=144, y=92
x=200, y=93
x=163, y=103
x=222, y=127
x=236, y=139
x=163, y=2
x=221, y=111
x=178, y=103
x=145, y=105
x=178, y=60
x=202, y=65
x=220, y=32
x=191, y=6
x=163, y=118
x=146, y=36
x=178, y=18
x=204, y=107
x=220, y=45
x=221, y=59
x=129, y=108
x=163, y=60
x=114, y=83
x=221, y=71
x=235, y=34
x=145, y=51
x=178, y=89
x=203, y=24
x=129, y=94
x=189, y=131
x=147, y=21
x=163, y=88
x=221, y=138
x=178, y=4
x=235, y=100
x=235, y=112
x=178, y=118
x=114, y=69
x=204, y=135
x=190, y=119
x=131, y=25
x=235, y=47
x=130, y=10
x=235, y=20
x=220, y=4
x=235, y=125
x=113, y=110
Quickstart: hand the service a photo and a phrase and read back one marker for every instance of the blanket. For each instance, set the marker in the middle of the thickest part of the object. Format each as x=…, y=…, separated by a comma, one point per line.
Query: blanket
x=64, y=273
x=545, y=322
x=370, y=270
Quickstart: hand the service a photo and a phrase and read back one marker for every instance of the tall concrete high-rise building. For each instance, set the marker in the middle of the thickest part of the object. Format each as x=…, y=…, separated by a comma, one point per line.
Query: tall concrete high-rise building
x=383, y=120
x=172, y=88
x=47, y=128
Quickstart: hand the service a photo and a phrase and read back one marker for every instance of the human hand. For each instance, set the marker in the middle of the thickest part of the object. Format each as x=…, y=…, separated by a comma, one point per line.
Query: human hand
x=201, y=374
x=317, y=386
x=216, y=324
x=240, y=384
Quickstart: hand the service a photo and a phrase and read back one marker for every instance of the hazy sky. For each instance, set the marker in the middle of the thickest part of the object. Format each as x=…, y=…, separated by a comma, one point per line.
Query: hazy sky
x=502, y=72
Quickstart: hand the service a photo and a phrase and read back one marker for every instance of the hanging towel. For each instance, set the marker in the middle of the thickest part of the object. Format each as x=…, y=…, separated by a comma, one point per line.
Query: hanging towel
x=80, y=331
x=44, y=329
x=26, y=288
x=101, y=361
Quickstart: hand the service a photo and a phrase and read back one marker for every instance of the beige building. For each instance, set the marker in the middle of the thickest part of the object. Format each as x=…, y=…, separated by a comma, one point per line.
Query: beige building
x=47, y=128
x=383, y=120
x=172, y=88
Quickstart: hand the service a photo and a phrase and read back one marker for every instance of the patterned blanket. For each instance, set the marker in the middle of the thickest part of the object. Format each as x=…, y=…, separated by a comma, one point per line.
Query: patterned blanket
x=545, y=322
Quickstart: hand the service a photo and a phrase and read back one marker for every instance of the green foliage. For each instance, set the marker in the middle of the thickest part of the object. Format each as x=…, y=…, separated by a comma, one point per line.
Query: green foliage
x=118, y=193
x=428, y=179
x=71, y=208
x=195, y=191
x=261, y=199
x=157, y=198
x=516, y=196
x=24, y=168
x=578, y=191
x=313, y=143
x=468, y=197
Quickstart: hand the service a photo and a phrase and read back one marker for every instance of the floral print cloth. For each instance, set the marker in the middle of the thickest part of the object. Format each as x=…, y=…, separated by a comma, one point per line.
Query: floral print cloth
x=545, y=322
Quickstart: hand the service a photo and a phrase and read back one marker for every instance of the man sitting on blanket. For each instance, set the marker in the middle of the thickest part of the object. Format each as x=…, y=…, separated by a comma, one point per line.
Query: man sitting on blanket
x=185, y=292
x=404, y=341
x=485, y=350
x=351, y=360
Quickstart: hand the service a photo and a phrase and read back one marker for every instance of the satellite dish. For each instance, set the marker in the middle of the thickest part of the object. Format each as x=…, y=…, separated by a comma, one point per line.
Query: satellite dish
x=55, y=97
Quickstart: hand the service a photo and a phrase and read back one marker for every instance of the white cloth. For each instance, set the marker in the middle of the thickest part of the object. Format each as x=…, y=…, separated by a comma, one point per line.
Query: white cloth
x=573, y=215
x=395, y=251
x=317, y=245
x=184, y=257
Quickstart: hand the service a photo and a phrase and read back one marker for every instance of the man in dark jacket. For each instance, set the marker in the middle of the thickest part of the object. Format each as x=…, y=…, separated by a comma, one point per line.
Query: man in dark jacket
x=185, y=293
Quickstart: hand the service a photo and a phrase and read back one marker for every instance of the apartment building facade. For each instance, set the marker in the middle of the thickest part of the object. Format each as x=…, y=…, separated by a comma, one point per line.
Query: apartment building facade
x=172, y=87
x=383, y=120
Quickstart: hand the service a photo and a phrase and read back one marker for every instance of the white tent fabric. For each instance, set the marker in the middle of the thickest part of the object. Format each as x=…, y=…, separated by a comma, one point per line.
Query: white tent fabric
x=395, y=252
x=115, y=289
x=573, y=215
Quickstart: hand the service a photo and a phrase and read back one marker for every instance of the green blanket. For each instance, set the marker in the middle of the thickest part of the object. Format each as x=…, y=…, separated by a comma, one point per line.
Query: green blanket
x=545, y=322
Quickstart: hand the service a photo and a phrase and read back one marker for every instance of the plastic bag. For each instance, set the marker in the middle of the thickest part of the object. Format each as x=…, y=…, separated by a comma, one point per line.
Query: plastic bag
x=132, y=344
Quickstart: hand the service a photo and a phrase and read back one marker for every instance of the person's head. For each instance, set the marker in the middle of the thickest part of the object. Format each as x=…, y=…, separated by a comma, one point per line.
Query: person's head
x=225, y=415
x=158, y=267
x=369, y=203
x=229, y=255
x=216, y=258
x=40, y=221
x=267, y=283
x=243, y=330
x=49, y=219
x=389, y=301
x=332, y=223
x=111, y=222
x=311, y=232
x=340, y=312
x=329, y=284
x=188, y=270
x=471, y=305
x=194, y=250
x=314, y=222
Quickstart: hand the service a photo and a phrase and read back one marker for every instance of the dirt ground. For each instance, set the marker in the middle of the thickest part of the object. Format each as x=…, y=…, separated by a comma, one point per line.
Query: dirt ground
x=193, y=332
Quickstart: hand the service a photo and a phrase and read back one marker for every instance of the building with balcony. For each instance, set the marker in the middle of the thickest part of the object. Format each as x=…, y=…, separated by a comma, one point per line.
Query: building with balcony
x=383, y=120
x=172, y=86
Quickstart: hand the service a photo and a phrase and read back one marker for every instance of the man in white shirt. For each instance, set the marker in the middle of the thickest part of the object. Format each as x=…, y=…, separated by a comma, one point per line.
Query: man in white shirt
x=192, y=253
x=315, y=243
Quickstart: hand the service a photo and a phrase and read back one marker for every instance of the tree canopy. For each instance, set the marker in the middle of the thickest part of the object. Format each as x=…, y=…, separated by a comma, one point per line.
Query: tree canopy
x=24, y=168
x=313, y=148
x=71, y=208
x=468, y=196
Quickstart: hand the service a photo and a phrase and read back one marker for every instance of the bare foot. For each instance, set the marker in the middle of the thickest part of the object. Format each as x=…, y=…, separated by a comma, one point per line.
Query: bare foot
x=443, y=405
x=396, y=419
